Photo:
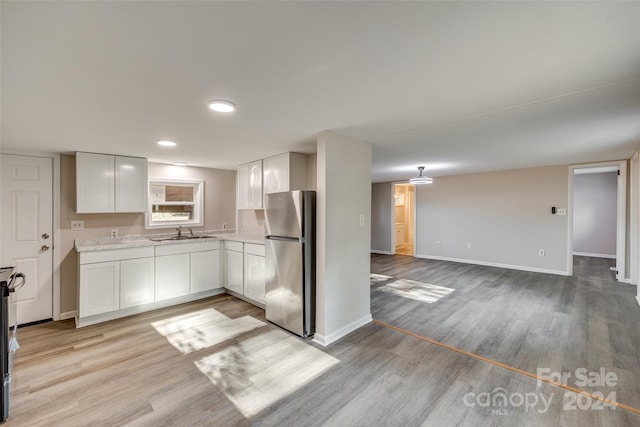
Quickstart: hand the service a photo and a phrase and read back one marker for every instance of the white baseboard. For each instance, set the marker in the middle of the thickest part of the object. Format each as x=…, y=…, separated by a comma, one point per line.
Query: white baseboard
x=381, y=252
x=495, y=264
x=594, y=255
x=346, y=330
x=68, y=315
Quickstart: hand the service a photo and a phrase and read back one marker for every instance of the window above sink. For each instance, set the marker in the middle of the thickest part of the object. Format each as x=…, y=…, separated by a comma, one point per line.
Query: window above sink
x=175, y=202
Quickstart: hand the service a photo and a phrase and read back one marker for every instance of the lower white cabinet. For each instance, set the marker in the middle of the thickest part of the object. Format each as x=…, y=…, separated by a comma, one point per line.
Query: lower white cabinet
x=136, y=282
x=115, y=283
x=233, y=267
x=205, y=271
x=244, y=270
x=172, y=276
x=99, y=288
x=254, y=276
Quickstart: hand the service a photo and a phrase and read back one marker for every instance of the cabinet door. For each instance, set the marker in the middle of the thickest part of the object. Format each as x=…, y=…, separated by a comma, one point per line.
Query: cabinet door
x=276, y=173
x=254, y=277
x=243, y=187
x=233, y=271
x=95, y=184
x=136, y=282
x=172, y=276
x=205, y=271
x=255, y=185
x=99, y=288
x=131, y=184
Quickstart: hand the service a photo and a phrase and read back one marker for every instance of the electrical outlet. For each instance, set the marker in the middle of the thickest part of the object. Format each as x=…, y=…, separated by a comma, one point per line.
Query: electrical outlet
x=541, y=252
x=114, y=233
x=469, y=246
x=438, y=243
x=562, y=211
x=361, y=219
x=77, y=225
x=224, y=225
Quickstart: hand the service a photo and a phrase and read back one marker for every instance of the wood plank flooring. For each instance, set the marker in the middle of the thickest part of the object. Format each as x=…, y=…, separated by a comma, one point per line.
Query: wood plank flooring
x=217, y=362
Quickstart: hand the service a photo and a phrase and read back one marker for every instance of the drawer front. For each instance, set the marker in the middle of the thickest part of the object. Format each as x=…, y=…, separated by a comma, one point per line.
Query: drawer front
x=233, y=245
x=115, y=254
x=251, y=248
x=185, y=248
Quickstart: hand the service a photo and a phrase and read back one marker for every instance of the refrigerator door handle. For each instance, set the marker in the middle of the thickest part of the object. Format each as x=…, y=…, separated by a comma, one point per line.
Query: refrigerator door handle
x=286, y=239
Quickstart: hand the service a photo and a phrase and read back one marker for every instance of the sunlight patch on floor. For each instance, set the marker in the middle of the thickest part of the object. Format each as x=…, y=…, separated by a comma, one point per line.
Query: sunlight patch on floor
x=418, y=291
x=203, y=329
x=379, y=278
x=262, y=369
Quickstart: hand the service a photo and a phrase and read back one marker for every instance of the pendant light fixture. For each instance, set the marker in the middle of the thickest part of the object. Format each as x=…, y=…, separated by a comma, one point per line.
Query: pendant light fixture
x=421, y=179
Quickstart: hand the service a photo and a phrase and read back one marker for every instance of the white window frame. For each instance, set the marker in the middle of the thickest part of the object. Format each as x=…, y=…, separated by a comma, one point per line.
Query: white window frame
x=198, y=207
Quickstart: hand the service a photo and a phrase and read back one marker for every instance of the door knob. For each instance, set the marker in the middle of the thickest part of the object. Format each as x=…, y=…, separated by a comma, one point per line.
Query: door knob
x=44, y=248
x=45, y=236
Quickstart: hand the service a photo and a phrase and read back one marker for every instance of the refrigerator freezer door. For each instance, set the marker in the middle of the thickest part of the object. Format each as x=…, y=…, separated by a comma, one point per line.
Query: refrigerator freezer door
x=284, y=214
x=284, y=284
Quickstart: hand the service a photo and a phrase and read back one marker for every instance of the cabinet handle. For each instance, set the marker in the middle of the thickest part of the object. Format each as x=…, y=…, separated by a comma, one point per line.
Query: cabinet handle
x=45, y=236
x=44, y=248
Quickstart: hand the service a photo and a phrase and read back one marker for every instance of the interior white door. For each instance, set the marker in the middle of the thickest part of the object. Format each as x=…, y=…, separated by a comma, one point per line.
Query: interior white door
x=26, y=240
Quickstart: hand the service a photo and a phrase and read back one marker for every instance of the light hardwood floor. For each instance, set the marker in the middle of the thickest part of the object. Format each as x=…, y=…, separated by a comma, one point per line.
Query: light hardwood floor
x=218, y=363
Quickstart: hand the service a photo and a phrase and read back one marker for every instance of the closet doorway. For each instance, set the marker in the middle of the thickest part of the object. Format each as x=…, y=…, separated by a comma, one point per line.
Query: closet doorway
x=404, y=219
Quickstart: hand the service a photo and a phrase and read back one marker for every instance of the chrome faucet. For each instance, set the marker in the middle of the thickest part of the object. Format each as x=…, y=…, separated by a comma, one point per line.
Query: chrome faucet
x=179, y=231
x=190, y=231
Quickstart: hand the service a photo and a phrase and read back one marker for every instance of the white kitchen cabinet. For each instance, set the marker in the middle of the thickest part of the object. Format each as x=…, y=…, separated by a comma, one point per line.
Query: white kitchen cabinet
x=249, y=185
x=99, y=290
x=137, y=282
x=172, y=276
x=205, y=271
x=131, y=184
x=95, y=183
x=119, y=282
x=108, y=183
x=233, y=267
x=254, y=283
x=187, y=268
x=285, y=172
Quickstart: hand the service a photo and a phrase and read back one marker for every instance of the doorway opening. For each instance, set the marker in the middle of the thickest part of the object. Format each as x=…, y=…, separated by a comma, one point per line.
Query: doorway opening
x=404, y=219
x=598, y=215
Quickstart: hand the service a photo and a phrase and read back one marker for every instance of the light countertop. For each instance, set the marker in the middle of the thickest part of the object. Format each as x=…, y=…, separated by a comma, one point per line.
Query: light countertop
x=108, y=243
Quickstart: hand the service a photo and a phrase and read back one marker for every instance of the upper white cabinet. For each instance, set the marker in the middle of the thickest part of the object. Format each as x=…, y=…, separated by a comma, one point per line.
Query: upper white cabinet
x=250, y=185
x=131, y=184
x=95, y=183
x=107, y=183
x=285, y=172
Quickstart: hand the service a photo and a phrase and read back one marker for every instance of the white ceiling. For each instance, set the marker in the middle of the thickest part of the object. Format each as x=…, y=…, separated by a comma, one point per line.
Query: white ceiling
x=461, y=87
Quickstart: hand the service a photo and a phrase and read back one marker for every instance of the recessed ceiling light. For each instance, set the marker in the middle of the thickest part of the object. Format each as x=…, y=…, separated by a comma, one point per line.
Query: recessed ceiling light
x=222, y=106
x=179, y=164
x=167, y=143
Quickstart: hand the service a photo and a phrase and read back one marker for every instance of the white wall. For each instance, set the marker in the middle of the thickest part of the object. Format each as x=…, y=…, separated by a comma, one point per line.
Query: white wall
x=595, y=214
x=506, y=216
x=343, y=243
x=381, y=217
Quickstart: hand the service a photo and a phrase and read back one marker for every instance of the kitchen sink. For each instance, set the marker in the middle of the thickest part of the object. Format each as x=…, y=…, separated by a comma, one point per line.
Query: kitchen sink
x=164, y=239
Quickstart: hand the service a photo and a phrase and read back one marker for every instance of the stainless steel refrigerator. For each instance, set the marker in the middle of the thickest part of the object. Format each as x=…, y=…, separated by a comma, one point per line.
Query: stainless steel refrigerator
x=290, y=254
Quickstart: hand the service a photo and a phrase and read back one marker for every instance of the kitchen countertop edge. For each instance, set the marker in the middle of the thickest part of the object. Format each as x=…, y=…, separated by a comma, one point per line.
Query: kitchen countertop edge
x=112, y=243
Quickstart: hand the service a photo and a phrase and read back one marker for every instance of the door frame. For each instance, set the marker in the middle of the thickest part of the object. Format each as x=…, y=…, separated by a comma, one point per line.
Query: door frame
x=56, y=237
x=621, y=220
x=393, y=218
x=634, y=171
